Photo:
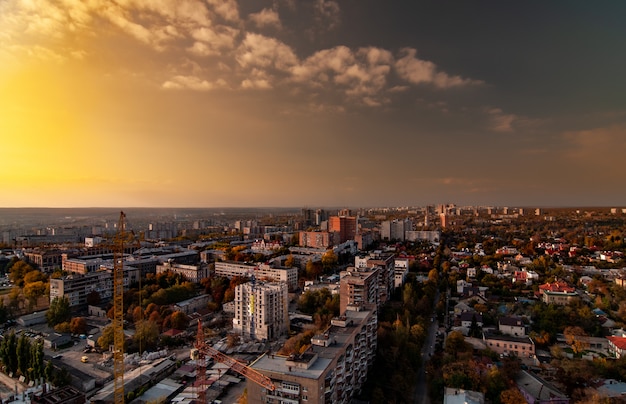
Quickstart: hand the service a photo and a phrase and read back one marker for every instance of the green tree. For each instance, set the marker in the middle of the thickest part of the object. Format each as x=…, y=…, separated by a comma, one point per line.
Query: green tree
x=107, y=338
x=23, y=354
x=59, y=311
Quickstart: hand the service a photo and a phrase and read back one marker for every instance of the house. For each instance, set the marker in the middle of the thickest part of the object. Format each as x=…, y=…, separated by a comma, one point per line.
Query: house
x=617, y=346
x=537, y=391
x=523, y=347
x=460, y=396
x=512, y=326
x=611, y=388
x=56, y=340
x=468, y=317
x=557, y=292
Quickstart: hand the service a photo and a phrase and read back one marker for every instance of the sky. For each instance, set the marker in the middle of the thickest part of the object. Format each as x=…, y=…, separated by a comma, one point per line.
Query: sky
x=316, y=103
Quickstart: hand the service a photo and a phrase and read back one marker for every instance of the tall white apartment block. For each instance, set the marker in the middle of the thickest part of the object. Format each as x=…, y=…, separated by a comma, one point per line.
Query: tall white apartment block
x=261, y=310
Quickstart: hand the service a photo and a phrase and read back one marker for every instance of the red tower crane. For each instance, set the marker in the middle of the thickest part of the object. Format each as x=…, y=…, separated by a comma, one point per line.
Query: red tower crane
x=203, y=350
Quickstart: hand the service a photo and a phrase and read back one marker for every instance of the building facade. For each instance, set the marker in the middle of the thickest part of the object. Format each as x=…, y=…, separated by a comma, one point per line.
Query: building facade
x=333, y=370
x=261, y=310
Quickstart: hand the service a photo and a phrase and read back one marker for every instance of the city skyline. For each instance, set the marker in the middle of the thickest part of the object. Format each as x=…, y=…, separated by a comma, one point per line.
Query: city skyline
x=281, y=103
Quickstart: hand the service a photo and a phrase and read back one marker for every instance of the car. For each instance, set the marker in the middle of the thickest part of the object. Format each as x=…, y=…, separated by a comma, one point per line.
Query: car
x=84, y=359
x=57, y=356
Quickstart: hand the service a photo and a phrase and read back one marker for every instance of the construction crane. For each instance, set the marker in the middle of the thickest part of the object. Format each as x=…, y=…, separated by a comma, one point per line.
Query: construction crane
x=118, y=311
x=204, y=350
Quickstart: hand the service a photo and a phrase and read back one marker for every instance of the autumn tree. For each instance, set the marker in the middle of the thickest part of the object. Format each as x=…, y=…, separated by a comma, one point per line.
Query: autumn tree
x=146, y=335
x=107, y=338
x=179, y=320
x=78, y=325
x=18, y=270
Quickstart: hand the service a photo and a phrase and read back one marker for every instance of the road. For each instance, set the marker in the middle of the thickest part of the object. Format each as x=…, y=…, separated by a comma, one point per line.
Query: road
x=420, y=395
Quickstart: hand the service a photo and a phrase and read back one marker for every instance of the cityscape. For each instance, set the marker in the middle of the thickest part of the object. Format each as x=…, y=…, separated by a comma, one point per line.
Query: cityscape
x=322, y=201
x=438, y=303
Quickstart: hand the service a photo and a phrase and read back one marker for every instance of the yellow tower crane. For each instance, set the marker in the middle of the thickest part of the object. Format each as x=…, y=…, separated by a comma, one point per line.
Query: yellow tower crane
x=118, y=310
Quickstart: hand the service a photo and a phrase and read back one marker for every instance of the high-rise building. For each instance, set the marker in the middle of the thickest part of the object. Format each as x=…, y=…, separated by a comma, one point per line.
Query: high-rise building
x=261, y=310
x=358, y=286
x=332, y=370
x=345, y=226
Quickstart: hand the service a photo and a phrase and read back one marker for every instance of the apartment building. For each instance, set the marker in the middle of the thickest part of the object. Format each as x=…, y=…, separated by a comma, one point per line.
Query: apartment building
x=191, y=273
x=332, y=370
x=386, y=272
x=522, y=347
x=261, y=310
x=344, y=226
x=77, y=287
x=263, y=272
x=400, y=271
x=358, y=287
x=46, y=260
x=315, y=239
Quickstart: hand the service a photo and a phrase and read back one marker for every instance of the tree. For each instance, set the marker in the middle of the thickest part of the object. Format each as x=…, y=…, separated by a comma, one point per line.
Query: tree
x=576, y=338
x=18, y=271
x=146, y=335
x=512, y=396
x=23, y=354
x=179, y=320
x=35, y=276
x=34, y=290
x=59, y=311
x=290, y=261
x=329, y=259
x=63, y=327
x=78, y=325
x=107, y=338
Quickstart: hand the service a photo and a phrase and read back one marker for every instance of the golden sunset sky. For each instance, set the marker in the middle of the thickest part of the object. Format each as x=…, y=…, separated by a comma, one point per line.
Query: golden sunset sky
x=210, y=103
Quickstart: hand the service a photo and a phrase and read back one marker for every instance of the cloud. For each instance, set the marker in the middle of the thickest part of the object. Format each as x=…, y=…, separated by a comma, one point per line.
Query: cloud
x=264, y=52
x=501, y=122
x=227, y=9
x=417, y=71
x=213, y=40
x=327, y=14
x=191, y=83
x=266, y=18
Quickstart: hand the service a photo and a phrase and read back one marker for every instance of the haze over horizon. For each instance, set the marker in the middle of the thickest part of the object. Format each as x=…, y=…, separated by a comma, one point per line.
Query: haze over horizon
x=225, y=103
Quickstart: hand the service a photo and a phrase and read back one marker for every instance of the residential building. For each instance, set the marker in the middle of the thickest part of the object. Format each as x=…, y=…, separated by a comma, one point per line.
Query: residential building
x=315, y=239
x=358, y=286
x=431, y=236
x=344, y=226
x=617, y=346
x=522, y=347
x=537, y=391
x=460, y=396
x=512, y=326
x=191, y=273
x=77, y=287
x=400, y=271
x=263, y=272
x=333, y=370
x=395, y=229
x=261, y=310
x=386, y=272
x=46, y=260
x=468, y=317
x=557, y=292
